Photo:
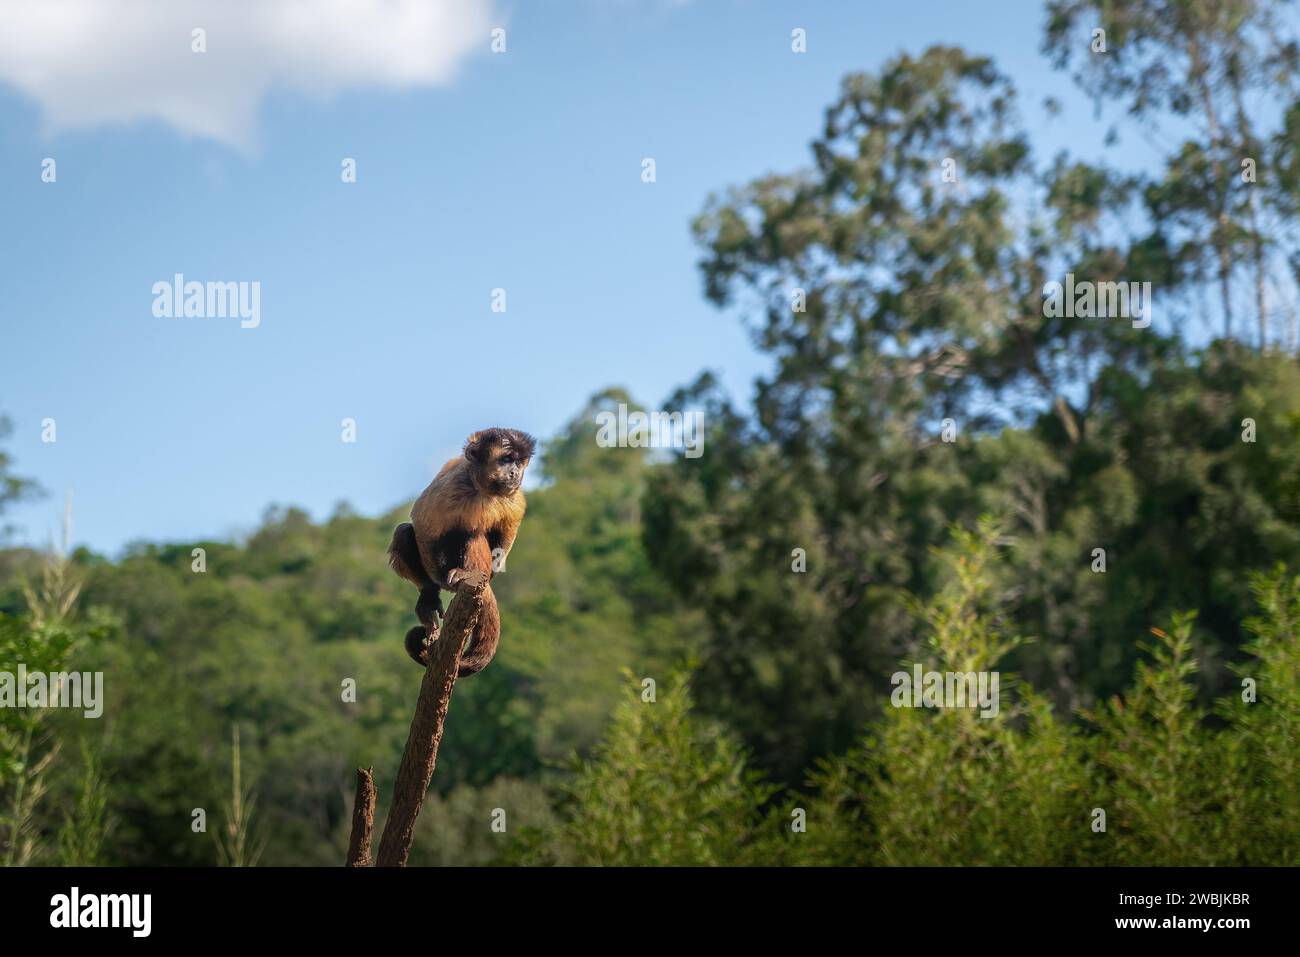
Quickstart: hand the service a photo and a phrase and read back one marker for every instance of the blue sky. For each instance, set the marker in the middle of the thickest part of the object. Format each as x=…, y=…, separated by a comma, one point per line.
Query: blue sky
x=519, y=170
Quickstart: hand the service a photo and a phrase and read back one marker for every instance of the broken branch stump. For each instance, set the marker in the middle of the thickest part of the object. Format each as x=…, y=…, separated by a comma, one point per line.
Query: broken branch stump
x=363, y=819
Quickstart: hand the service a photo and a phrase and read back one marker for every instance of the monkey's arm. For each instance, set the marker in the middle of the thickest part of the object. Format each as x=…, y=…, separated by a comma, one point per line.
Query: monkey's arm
x=501, y=539
x=476, y=560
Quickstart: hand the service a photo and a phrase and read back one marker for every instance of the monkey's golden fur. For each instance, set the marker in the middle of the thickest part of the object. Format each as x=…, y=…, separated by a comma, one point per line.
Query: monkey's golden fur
x=471, y=509
x=452, y=501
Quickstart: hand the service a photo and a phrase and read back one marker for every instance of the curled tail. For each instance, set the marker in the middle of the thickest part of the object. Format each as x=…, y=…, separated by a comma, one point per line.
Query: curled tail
x=487, y=634
x=482, y=645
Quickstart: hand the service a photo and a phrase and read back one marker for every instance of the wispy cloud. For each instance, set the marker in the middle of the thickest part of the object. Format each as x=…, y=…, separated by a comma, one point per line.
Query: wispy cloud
x=91, y=62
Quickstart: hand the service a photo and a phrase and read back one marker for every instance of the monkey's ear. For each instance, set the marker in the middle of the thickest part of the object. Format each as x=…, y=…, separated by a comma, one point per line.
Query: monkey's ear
x=474, y=447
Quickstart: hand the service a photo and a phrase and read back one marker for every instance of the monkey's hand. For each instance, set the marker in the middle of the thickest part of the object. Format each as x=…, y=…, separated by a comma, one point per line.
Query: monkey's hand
x=470, y=576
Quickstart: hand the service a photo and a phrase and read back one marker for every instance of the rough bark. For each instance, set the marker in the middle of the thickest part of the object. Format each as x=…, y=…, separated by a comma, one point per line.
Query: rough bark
x=363, y=819
x=421, y=750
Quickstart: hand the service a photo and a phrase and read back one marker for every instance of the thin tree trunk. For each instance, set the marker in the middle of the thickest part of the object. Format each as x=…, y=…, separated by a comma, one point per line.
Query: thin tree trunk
x=1257, y=251
x=1221, y=235
x=421, y=752
x=1249, y=146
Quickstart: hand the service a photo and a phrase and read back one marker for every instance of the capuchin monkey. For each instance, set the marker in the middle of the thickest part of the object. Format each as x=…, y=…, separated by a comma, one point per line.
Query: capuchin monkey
x=467, y=517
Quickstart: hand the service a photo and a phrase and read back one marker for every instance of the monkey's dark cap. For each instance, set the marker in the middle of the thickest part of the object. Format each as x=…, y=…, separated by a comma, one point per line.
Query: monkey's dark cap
x=508, y=440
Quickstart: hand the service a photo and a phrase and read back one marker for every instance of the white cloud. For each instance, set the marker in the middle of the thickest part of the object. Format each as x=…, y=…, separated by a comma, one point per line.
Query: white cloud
x=91, y=62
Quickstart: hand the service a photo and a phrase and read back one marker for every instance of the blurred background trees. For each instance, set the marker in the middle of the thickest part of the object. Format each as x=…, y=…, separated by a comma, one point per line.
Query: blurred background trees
x=893, y=300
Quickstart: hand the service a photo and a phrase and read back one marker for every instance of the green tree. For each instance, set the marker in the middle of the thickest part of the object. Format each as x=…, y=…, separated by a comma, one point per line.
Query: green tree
x=663, y=788
x=1268, y=720
x=13, y=488
x=42, y=641
x=903, y=307
x=1222, y=210
x=957, y=785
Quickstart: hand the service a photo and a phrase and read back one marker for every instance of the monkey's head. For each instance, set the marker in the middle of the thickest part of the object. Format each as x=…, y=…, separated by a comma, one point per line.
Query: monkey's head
x=498, y=458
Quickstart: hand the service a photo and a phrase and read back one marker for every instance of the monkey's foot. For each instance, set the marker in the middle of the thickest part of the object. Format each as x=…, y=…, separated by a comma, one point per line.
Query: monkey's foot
x=429, y=608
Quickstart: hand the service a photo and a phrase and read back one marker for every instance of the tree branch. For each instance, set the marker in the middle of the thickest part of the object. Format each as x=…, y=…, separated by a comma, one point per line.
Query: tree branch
x=421, y=751
x=363, y=819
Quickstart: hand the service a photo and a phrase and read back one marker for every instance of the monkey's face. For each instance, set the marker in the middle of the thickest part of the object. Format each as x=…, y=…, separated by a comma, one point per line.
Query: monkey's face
x=500, y=457
x=505, y=473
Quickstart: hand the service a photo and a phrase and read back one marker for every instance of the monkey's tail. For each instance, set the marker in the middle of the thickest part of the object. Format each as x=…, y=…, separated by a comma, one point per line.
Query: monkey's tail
x=487, y=634
x=417, y=642
x=482, y=645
